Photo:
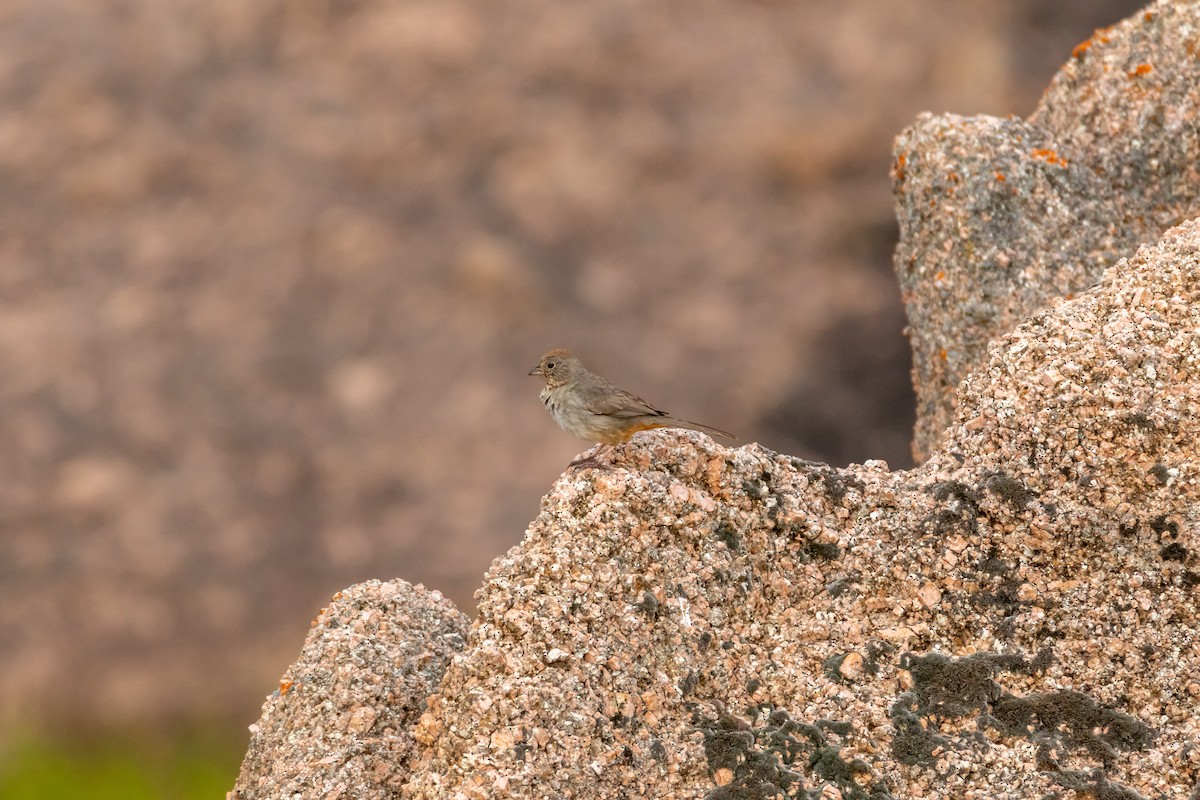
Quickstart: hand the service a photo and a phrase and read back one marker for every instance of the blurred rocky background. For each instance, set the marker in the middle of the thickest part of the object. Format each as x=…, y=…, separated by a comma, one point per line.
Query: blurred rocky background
x=272, y=275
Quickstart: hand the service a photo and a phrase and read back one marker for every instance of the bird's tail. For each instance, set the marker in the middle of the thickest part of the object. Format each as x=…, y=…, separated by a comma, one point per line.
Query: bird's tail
x=696, y=426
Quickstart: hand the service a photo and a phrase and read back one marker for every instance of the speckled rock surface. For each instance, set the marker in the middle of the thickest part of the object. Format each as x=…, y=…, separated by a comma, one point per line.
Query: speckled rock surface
x=340, y=723
x=1014, y=618
x=998, y=216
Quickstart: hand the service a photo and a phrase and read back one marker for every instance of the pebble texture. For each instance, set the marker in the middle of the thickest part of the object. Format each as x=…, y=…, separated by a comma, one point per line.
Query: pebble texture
x=998, y=216
x=340, y=723
x=1014, y=618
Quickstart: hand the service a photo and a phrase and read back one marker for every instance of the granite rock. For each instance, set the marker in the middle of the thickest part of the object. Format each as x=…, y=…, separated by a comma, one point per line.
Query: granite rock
x=340, y=724
x=999, y=216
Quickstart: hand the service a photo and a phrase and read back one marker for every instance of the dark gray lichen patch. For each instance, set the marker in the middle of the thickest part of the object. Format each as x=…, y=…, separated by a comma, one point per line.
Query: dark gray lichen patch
x=837, y=484
x=913, y=742
x=1174, y=552
x=726, y=532
x=819, y=551
x=943, y=688
x=954, y=687
x=1064, y=721
x=756, y=489
x=648, y=605
x=770, y=760
x=1167, y=531
x=839, y=587
x=1000, y=590
x=1073, y=720
x=1008, y=489
x=1161, y=525
x=960, y=509
x=871, y=656
x=874, y=653
x=1093, y=783
x=832, y=667
x=956, y=491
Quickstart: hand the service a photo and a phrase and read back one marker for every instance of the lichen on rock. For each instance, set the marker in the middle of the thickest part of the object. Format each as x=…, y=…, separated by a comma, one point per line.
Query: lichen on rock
x=1000, y=216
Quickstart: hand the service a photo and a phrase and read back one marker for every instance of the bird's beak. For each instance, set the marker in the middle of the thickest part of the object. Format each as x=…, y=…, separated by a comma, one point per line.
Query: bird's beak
x=536, y=371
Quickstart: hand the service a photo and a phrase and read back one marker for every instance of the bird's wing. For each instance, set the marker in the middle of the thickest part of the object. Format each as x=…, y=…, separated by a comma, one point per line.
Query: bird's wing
x=621, y=404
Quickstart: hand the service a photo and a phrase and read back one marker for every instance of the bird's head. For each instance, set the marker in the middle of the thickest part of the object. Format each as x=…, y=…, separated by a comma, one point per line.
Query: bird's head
x=556, y=367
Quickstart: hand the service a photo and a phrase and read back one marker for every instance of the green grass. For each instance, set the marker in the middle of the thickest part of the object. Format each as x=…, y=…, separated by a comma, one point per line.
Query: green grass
x=128, y=766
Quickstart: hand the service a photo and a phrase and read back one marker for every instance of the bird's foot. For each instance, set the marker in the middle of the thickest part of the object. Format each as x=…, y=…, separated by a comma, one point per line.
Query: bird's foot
x=592, y=459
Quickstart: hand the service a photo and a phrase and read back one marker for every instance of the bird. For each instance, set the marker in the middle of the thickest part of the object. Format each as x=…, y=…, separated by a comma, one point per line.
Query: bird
x=588, y=406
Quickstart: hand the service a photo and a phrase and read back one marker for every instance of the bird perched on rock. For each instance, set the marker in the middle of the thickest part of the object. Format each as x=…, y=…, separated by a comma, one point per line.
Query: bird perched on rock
x=590, y=407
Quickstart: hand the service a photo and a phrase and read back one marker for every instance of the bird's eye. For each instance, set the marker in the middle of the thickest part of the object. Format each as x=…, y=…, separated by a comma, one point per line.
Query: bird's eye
x=549, y=365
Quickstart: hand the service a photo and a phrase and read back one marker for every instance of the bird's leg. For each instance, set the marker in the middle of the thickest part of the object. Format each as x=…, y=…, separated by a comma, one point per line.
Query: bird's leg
x=592, y=460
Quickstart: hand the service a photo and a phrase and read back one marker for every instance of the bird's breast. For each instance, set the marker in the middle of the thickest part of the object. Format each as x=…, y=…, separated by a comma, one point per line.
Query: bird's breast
x=567, y=412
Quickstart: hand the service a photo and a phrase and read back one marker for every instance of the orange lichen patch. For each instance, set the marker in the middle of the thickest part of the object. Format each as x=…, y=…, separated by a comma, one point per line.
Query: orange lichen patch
x=1099, y=36
x=940, y=276
x=898, y=167
x=942, y=354
x=1000, y=177
x=1050, y=157
x=1140, y=70
x=285, y=686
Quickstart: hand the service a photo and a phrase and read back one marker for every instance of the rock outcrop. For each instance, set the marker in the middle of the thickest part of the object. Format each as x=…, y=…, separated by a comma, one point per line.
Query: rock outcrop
x=340, y=724
x=1014, y=618
x=998, y=216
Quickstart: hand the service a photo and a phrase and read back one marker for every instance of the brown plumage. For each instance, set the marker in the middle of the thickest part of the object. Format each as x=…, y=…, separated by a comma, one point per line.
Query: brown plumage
x=590, y=407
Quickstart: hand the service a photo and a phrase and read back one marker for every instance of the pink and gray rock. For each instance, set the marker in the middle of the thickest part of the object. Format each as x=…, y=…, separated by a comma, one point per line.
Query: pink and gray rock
x=1014, y=618
x=340, y=724
x=998, y=216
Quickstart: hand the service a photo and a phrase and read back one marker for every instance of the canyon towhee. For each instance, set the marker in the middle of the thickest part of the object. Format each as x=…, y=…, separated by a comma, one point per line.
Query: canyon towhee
x=590, y=407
